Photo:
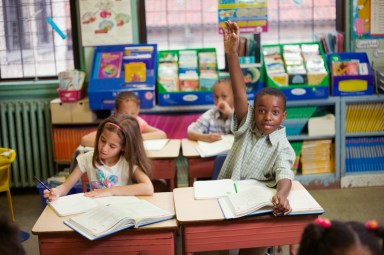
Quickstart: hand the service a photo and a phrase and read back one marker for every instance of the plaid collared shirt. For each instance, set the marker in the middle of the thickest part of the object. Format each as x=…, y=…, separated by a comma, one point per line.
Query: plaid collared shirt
x=267, y=158
x=211, y=122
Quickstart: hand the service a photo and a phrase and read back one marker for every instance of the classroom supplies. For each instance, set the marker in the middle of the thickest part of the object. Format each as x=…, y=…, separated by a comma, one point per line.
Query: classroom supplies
x=78, y=203
x=155, y=144
x=206, y=149
x=108, y=219
x=213, y=188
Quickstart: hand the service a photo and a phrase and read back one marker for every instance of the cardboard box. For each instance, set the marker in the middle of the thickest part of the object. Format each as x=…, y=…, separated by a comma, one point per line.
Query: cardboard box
x=301, y=91
x=73, y=112
x=352, y=85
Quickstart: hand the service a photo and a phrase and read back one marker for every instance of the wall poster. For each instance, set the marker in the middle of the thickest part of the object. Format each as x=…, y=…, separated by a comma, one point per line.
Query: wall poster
x=105, y=22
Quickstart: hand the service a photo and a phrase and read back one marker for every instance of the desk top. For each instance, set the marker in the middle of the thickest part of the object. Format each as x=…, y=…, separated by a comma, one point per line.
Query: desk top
x=188, y=148
x=50, y=222
x=171, y=150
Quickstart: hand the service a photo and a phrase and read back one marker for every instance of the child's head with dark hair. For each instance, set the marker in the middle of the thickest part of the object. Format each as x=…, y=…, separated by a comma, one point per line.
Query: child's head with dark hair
x=10, y=243
x=120, y=135
x=127, y=102
x=269, y=105
x=338, y=238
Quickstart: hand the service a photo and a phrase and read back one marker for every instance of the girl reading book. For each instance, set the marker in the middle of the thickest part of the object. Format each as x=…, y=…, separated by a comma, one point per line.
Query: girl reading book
x=119, y=159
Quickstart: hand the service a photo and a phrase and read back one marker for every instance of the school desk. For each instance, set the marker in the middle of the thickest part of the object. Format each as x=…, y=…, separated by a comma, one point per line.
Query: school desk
x=55, y=237
x=198, y=167
x=204, y=228
x=163, y=162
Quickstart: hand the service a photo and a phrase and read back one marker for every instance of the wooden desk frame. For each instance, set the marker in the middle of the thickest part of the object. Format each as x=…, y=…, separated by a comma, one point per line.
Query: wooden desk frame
x=55, y=237
x=198, y=167
x=204, y=228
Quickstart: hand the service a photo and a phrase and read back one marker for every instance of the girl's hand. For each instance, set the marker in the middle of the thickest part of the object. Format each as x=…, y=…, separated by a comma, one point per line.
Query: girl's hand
x=281, y=205
x=52, y=195
x=99, y=193
x=231, y=37
x=224, y=108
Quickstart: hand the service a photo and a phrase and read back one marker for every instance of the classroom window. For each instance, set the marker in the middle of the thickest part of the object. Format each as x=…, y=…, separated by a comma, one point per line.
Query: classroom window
x=29, y=46
x=180, y=24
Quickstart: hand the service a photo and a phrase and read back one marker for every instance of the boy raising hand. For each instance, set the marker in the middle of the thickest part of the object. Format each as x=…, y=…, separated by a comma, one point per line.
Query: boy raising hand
x=261, y=149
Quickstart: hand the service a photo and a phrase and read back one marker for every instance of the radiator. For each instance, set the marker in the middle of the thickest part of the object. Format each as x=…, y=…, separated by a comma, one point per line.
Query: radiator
x=26, y=128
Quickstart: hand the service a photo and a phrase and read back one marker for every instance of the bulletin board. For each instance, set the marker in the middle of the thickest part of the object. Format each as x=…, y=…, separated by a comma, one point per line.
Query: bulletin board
x=250, y=15
x=368, y=19
x=105, y=22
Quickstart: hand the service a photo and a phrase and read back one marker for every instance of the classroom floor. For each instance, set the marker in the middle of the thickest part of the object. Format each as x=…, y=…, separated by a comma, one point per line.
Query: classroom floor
x=359, y=204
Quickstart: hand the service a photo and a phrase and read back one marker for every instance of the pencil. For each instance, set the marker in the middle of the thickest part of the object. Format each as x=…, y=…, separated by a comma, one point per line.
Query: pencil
x=234, y=185
x=42, y=183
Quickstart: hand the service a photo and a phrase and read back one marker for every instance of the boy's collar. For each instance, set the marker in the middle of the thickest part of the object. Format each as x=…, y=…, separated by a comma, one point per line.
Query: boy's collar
x=273, y=137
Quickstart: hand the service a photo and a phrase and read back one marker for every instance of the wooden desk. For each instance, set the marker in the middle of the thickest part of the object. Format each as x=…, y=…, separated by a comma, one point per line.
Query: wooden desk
x=163, y=162
x=204, y=228
x=56, y=238
x=198, y=167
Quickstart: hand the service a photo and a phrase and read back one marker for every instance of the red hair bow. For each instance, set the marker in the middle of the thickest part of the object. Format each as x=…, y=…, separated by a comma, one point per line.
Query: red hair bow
x=325, y=223
x=372, y=225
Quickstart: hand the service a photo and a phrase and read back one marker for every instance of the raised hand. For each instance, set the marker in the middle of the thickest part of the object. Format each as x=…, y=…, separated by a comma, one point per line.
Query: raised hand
x=231, y=37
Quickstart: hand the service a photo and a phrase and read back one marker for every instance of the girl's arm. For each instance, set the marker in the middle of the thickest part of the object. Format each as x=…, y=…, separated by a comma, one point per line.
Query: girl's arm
x=143, y=186
x=88, y=140
x=150, y=132
x=64, y=188
x=231, y=45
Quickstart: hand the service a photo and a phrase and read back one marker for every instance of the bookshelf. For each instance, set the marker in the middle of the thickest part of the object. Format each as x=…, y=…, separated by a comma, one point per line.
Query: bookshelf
x=368, y=171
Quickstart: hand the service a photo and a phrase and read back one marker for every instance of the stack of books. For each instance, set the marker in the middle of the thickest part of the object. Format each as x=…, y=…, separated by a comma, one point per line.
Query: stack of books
x=317, y=157
x=364, y=117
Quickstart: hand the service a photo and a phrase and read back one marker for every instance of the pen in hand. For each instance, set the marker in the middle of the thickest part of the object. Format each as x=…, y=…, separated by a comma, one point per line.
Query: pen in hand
x=42, y=183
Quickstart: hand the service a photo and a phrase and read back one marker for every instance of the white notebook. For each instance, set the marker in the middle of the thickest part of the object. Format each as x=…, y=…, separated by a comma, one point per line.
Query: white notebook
x=78, y=203
x=155, y=144
x=206, y=149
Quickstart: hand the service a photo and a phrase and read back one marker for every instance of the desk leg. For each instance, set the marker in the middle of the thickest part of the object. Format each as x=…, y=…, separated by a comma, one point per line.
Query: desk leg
x=199, y=168
x=165, y=169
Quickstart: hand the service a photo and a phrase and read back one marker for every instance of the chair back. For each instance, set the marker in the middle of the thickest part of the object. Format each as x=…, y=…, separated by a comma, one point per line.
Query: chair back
x=217, y=164
x=7, y=156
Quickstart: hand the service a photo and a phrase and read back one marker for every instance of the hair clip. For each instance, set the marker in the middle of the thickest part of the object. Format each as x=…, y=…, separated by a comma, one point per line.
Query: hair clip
x=325, y=223
x=372, y=225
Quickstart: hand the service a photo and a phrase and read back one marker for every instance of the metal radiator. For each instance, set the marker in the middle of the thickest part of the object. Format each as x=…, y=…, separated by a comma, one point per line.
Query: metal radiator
x=26, y=128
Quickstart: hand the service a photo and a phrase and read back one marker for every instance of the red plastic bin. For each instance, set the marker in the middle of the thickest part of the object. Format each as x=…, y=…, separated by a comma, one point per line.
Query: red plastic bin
x=70, y=95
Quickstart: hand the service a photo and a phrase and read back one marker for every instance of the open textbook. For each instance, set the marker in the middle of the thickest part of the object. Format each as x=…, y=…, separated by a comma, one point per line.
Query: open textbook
x=206, y=149
x=108, y=219
x=78, y=203
x=251, y=197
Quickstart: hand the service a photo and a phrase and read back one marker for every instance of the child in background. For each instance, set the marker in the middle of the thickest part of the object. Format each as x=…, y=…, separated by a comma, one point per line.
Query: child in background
x=10, y=243
x=119, y=159
x=340, y=238
x=127, y=102
x=261, y=149
x=215, y=122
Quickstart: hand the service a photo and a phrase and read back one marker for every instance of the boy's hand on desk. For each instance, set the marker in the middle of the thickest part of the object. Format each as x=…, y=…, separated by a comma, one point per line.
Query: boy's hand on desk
x=281, y=205
x=209, y=138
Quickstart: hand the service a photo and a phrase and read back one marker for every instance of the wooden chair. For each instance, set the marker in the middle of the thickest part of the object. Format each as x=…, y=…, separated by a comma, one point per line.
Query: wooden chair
x=7, y=156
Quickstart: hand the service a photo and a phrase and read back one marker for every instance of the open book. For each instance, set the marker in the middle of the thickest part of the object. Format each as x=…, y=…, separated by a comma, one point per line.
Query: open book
x=212, y=149
x=251, y=197
x=108, y=219
x=78, y=203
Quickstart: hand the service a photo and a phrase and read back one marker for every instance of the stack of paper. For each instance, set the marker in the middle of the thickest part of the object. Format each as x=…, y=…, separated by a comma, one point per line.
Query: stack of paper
x=155, y=145
x=317, y=157
x=324, y=125
x=215, y=148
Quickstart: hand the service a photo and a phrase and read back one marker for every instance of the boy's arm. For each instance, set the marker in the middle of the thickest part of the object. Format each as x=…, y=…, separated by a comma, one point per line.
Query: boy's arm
x=195, y=136
x=231, y=45
x=150, y=132
x=280, y=200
